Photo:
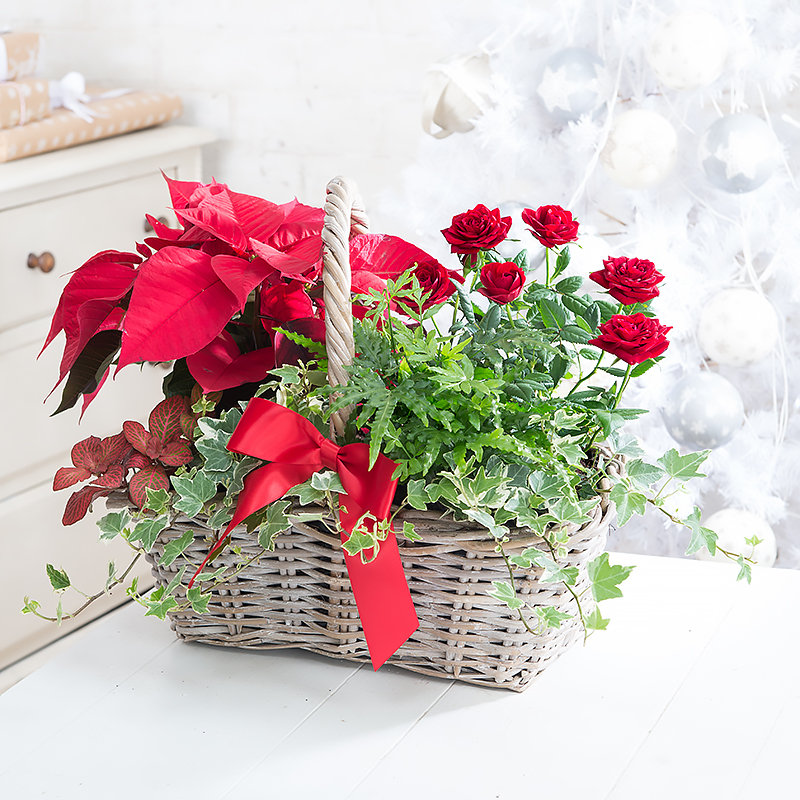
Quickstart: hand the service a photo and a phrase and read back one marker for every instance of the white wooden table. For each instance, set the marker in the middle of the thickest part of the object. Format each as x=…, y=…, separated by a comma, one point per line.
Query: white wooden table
x=693, y=692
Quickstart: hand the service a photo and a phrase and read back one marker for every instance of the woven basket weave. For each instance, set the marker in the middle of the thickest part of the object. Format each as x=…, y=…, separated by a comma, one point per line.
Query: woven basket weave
x=300, y=596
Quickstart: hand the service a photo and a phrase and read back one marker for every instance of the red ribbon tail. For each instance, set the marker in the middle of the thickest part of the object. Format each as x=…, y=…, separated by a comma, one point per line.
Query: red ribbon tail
x=383, y=600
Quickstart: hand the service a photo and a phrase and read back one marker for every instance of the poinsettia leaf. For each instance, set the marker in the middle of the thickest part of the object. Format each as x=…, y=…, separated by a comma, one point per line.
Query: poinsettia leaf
x=384, y=256
x=152, y=476
x=241, y=275
x=177, y=307
x=258, y=218
x=284, y=302
x=91, y=318
x=106, y=276
x=288, y=263
x=220, y=365
x=163, y=231
x=180, y=191
x=176, y=453
x=89, y=368
x=300, y=223
x=165, y=419
x=79, y=503
x=89, y=396
x=69, y=476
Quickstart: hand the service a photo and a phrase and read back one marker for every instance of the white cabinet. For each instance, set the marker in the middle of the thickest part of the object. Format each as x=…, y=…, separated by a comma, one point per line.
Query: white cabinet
x=70, y=204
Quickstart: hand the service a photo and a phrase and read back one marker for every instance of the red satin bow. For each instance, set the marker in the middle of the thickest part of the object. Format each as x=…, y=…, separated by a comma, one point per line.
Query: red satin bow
x=298, y=450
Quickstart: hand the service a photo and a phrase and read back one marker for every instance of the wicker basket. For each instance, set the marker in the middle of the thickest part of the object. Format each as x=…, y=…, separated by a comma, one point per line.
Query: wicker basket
x=300, y=596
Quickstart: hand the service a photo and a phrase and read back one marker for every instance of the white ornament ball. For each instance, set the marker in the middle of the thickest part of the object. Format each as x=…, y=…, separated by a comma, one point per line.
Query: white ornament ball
x=573, y=83
x=739, y=153
x=641, y=149
x=703, y=410
x=733, y=526
x=737, y=327
x=688, y=50
x=456, y=90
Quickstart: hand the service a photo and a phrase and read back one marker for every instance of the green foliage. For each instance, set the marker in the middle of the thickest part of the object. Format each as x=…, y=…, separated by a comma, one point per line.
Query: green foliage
x=59, y=579
x=114, y=523
x=605, y=578
x=194, y=489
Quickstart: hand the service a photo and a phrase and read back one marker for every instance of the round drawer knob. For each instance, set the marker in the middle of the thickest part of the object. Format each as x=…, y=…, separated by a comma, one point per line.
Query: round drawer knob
x=148, y=228
x=45, y=262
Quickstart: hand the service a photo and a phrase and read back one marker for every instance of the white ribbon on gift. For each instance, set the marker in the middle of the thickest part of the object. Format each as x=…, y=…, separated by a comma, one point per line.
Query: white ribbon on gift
x=70, y=93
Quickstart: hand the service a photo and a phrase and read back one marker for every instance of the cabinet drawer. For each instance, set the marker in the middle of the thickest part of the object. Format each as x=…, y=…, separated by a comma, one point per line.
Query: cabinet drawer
x=73, y=228
x=31, y=438
x=31, y=536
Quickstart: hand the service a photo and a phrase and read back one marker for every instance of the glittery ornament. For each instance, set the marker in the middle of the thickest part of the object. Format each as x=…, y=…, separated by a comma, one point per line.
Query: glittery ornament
x=703, y=411
x=573, y=83
x=739, y=153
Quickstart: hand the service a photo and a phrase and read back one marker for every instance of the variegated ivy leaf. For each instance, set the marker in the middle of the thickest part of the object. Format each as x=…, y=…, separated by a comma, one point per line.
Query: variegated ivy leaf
x=327, y=481
x=701, y=537
x=114, y=523
x=148, y=530
x=307, y=494
x=642, y=474
x=175, y=547
x=550, y=617
x=269, y=522
x=195, y=490
x=627, y=502
x=158, y=500
x=215, y=435
x=605, y=578
x=554, y=572
x=596, y=621
x=416, y=496
x=410, y=533
x=198, y=600
x=59, y=579
x=504, y=592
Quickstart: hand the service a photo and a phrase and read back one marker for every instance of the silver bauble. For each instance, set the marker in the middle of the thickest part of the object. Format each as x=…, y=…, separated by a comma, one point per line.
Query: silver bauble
x=573, y=83
x=739, y=153
x=703, y=411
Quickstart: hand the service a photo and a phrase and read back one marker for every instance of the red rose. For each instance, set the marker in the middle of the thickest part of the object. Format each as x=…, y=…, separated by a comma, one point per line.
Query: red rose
x=551, y=225
x=633, y=338
x=478, y=229
x=629, y=280
x=435, y=281
x=502, y=283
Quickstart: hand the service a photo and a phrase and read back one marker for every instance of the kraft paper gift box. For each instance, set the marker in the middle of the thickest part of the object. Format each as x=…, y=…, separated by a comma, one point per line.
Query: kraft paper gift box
x=112, y=117
x=23, y=101
x=19, y=55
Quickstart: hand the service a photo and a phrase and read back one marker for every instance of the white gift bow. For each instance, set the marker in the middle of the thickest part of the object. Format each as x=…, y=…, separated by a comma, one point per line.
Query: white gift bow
x=70, y=93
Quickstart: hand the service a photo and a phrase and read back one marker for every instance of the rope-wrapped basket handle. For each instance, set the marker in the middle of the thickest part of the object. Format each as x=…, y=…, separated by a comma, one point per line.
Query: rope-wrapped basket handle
x=344, y=218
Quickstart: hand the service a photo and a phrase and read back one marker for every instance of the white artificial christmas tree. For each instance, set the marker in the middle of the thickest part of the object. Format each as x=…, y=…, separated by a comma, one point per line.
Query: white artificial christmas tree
x=667, y=151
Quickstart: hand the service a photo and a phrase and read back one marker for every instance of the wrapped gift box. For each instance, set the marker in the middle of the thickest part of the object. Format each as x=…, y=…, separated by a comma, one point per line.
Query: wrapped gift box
x=64, y=128
x=23, y=101
x=19, y=55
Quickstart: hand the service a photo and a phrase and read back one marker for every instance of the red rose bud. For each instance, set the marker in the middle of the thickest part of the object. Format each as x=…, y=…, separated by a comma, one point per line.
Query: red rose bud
x=629, y=280
x=501, y=283
x=478, y=229
x=435, y=281
x=551, y=225
x=633, y=338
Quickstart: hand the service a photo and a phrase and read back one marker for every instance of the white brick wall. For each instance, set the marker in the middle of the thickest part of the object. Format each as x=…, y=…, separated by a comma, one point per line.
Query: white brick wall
x=297, y=90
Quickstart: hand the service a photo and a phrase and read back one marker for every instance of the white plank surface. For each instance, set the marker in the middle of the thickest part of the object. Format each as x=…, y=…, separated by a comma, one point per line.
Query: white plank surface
x=693, y=692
